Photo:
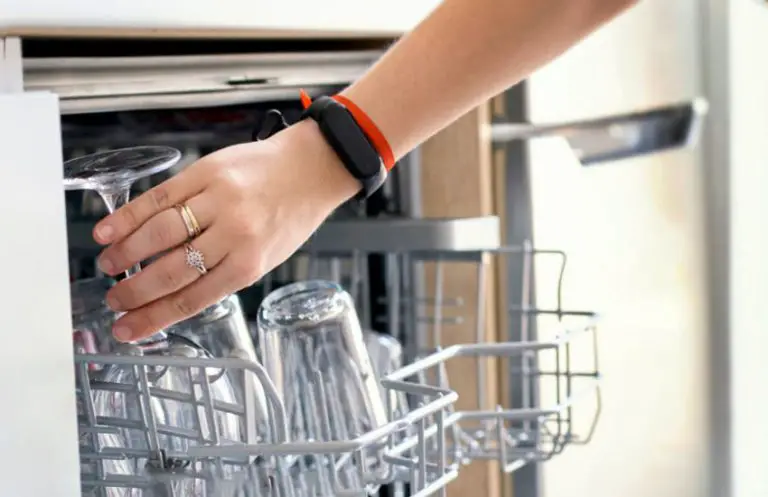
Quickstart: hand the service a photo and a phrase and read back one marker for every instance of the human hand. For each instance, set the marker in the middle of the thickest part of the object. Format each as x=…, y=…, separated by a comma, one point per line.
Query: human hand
x=256, y=204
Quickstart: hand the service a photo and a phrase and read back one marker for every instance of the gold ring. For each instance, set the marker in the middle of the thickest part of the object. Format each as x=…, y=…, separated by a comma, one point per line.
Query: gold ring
x=195, y=258
x=190, y=221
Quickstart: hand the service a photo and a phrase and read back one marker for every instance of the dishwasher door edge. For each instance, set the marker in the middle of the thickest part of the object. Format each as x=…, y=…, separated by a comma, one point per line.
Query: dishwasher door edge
x=90, y=85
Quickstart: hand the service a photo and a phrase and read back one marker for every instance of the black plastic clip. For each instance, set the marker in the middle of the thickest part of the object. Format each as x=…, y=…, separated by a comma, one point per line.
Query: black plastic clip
x=273, y=123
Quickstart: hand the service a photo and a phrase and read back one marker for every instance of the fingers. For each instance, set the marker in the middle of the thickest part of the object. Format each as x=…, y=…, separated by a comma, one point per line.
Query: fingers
x=160, y=233
x=168, y=274
x=129, y=218
x=223, y=280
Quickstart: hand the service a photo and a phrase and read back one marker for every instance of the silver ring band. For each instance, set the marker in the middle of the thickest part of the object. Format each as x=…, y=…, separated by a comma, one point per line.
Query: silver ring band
x=195, y=258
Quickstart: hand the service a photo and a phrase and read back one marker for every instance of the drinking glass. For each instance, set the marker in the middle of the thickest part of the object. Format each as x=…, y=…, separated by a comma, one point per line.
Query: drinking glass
x=312, y=347
x=177, y=410
x=182, y=395
x=111, y=174
x=90, y=316
x=92, y=320
x=386, y=354
x=111, y=405
x=222, y=330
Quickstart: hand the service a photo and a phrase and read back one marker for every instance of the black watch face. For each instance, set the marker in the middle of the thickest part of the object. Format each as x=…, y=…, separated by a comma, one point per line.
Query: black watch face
x=351, y=143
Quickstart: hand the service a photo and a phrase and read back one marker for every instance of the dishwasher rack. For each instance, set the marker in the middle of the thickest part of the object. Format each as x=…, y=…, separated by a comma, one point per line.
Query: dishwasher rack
x=552, y=372
x=425, y=446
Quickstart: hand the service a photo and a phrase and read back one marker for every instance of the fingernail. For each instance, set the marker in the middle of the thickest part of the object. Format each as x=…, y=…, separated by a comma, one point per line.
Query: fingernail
x=104, y=232
x=122, y=333
x=113, y=304
x=106, y=265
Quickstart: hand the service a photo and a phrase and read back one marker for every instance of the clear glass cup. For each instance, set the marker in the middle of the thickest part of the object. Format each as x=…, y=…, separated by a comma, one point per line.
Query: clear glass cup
x=114, y=416
x=111, y=174
x=92, y=321
x=91, y=316
x=187, y=421
x=386, y=354
x=223, y=331
x=175, y=483
x=97, y=472
x=175, y=408
x=313, y=349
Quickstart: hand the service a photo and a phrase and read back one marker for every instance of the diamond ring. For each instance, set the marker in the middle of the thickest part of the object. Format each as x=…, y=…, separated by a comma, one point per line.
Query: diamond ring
x=195, y=258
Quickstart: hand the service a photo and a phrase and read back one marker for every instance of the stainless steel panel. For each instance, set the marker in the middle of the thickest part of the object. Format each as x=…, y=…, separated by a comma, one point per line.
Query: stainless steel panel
x=409, y=235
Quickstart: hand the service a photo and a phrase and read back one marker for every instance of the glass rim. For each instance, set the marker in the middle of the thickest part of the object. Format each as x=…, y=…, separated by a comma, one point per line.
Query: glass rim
x=383, y=339
x=276, y=308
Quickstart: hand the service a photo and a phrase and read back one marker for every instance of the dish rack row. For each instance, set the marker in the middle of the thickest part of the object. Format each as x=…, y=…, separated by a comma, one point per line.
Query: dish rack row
x=554, y=377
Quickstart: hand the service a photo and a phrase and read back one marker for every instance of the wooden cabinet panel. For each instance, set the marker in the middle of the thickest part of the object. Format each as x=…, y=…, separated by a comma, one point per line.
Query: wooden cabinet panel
x=457, y=181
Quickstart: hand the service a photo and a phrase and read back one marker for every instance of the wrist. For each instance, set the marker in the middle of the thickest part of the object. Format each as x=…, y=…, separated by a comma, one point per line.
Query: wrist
x=322, y=170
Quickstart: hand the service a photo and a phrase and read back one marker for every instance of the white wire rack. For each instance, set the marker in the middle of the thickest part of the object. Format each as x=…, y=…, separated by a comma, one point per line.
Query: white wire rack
x=549, y=353
x=222, y=467
x=426, y=446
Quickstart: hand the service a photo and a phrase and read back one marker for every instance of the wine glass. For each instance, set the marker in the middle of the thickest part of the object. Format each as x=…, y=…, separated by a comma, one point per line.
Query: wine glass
x=111, y=173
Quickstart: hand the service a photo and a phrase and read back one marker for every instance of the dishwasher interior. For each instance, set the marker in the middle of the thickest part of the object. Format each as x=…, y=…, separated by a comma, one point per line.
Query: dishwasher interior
x=390, y=263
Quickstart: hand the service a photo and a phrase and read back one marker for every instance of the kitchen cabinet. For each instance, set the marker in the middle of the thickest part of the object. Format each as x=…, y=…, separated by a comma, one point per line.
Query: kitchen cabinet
x=225, y=19
x=457, y=180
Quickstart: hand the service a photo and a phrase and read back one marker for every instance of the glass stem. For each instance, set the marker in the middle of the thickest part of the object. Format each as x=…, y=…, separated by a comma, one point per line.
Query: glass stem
x=114, y=199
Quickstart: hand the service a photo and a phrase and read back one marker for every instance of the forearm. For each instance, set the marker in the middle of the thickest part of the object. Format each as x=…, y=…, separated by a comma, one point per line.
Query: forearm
x=464, y=53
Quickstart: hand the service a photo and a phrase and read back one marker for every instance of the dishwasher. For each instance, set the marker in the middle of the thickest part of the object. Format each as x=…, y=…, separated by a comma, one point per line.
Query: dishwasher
x=232, y=403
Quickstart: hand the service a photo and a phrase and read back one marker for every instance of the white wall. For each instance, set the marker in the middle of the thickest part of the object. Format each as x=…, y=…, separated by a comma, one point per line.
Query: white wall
x=748, y=136
x=633, y=233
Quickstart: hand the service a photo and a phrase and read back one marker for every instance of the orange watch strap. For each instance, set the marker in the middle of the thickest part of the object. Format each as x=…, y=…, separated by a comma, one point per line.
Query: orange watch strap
x=374, y=134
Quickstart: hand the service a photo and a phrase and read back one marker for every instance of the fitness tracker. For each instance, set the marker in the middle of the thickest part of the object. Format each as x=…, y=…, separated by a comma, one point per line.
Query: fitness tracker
x=354, y=138
x=350, y=143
